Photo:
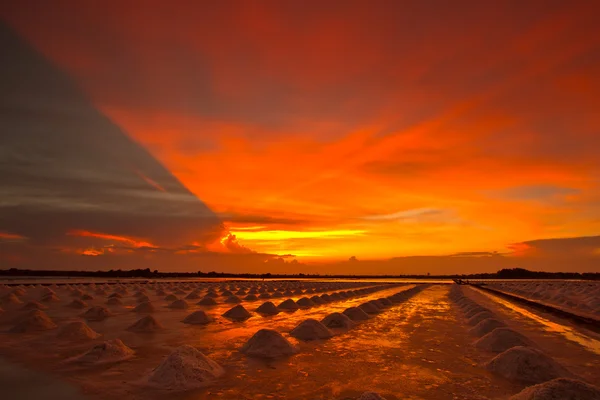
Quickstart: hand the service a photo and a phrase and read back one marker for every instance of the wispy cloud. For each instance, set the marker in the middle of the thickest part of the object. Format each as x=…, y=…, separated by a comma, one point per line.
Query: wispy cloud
x=412, y=215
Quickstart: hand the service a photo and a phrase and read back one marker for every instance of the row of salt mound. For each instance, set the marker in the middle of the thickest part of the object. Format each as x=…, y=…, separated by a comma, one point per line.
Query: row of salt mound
x=268, y=343
x=518, y=361
x=494, y=336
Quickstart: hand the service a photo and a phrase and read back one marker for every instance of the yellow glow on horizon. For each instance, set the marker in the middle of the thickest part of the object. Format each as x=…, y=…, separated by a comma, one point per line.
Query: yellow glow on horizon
x=275, y=235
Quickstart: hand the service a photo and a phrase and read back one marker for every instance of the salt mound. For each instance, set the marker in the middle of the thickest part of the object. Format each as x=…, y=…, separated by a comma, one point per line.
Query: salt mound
x=288, y=305
x=305, y=302
x=251, y=297
x=80, y=304
x=268, y=343
x=35, y=322
x=385, y=302
x=171, y=297
x=237, y=313
x=114, y=301
x=356, y=314
x=369, y=308
x=192, y=296
x=180, y=304
x=526, y=365
x=197, y=318
x=501, y=339
x=145, y=307
x=311, y=329
x=267, y=308
x=77, y=330
x=143, y=299
x=207, y=301
x=11, y=298
x=146, y=325
x=559, y=389
x=110, y=351
x=97, y=313
x=370, y=396
x=50, y=298
x=233, y=300
x=87, y=297
x=34, y=305
x=486, y=326
x=337, y=320
x=480, y=316
x=317, y=300
x=185, y=368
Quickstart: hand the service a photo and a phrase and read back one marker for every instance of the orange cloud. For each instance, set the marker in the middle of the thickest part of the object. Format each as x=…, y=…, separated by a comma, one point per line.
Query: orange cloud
x=115, y=238
x=328, y=132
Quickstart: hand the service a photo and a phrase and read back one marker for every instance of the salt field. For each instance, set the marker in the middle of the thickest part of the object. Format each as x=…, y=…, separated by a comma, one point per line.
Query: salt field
x=291, y=340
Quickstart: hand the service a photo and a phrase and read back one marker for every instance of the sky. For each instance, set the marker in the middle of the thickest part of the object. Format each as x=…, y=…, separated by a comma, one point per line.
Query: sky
x=415, y=136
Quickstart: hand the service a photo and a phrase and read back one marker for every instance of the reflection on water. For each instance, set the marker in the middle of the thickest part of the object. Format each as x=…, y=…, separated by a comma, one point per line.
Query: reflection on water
x=567, y=331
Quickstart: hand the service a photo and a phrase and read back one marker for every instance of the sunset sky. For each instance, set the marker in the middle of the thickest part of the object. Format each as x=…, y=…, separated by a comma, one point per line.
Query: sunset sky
x=315, y=130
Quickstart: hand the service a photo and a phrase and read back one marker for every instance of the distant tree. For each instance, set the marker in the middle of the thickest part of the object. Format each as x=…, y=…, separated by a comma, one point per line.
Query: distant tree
x=353, y=259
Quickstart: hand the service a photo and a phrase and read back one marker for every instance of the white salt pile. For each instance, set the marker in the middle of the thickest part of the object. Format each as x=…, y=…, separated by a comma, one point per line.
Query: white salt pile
x=146, y=325
x=192, y=296
x=79, y=304
x=11, y=298
x=268, y=343
x=36, y=321
x=356, y=314
x=369, y=308
x=77, y=330
x=197, y=318
x=34, y=305
x=50, y=298
x=386, y=302
x=486, y=326
x=185, y=368
x=305, y=302
x=501, y=339
x=288, y=305
x=370, y=396
x=179, y=304
x=233, y=300
x=311, y=329
x=97, y=313
x=337, y=320
x=114, y=301
x=145, y=307
x=143, y=299
x=111, y=351
x=559, y=389
x=526, y=365
x=207, y=301
x=267, y=308
x=237, y=313
x=480, y=316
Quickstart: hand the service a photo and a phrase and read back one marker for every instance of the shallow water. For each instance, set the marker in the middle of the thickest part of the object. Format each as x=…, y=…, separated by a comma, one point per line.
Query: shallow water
x=570, y=333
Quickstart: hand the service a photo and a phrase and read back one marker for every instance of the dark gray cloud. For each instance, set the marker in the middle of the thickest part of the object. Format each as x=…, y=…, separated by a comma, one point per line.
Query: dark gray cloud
x=65, y=166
